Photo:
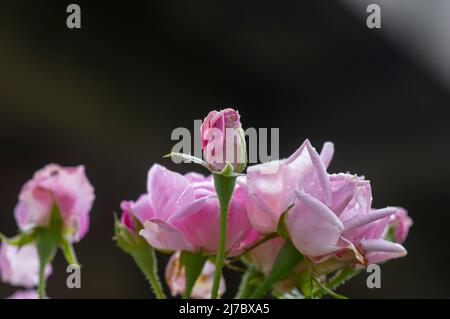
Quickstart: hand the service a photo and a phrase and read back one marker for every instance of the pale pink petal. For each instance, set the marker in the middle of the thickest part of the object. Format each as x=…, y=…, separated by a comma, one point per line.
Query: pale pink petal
x=365, y=219
x=163, y=236
x=326, y=154
x=313, y=227
x=142, y=209
x=166, y=191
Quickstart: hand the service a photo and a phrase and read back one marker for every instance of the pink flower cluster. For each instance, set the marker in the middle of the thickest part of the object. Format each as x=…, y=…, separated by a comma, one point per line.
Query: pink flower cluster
x=327, y=216
x=67, y=189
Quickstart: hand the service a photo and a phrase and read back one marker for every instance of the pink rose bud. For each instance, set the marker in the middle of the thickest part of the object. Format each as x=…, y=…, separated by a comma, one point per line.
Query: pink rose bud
x=127, y=218
x=25, y=294
x=182, y=213
x=175, y=278
x=68, y=188
x=223, y=140
x=19, y=266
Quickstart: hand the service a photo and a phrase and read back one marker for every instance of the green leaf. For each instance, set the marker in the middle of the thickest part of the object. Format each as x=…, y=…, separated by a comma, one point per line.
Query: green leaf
x=193, y=265
x=285, y=262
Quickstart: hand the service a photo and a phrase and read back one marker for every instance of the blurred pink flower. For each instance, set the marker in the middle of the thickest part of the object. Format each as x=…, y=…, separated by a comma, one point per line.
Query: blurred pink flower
x=182, y=213
x=25, y=294
x=223, y=140
x=19, y=266
x=175, y=278
x=68, y=188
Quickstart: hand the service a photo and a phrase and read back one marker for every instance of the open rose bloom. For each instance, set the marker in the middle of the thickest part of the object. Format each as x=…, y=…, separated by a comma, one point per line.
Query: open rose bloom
x=327, y=215
x=181, y=212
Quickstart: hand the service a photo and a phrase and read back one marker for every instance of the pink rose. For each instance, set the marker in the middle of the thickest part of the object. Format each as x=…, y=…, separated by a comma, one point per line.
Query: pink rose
x=223, y=140
x=330, y=215
x=271, y=186
x=175, y=278
x=182, y=213
x=349, y=224
x=19, y=266
x=68, y=188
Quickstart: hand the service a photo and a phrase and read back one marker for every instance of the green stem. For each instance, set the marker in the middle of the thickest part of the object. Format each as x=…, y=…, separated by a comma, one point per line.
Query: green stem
x=41, y=286
x=224, y=188
x=220, y=251
x=145, y=258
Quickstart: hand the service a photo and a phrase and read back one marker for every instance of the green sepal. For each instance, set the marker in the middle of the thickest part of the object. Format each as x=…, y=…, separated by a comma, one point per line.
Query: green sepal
x=281, y=227
x=224, y=186
x=188, y=158
x=287, y=259
x=47, y=242
x=69, y=253
x=142, y=253
x=19, y=240
x=124, y=238
x=193, y=265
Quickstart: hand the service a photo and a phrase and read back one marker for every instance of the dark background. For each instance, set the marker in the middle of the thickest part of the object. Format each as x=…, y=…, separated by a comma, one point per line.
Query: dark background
x=109, y=95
